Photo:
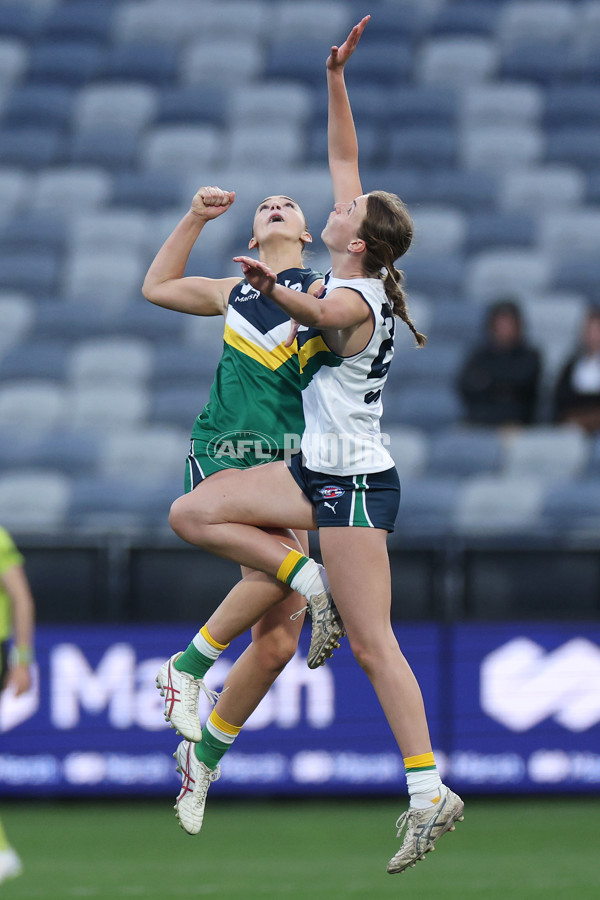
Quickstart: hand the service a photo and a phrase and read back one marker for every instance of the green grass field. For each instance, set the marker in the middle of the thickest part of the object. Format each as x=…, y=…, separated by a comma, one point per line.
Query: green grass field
x=516, y=849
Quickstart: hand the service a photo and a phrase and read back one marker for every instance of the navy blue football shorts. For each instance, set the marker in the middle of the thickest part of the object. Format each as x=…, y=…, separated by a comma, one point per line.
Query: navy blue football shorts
x=364, y=501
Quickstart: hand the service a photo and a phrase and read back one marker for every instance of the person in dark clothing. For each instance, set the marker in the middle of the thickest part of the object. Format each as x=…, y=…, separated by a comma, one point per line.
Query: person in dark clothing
x=500, y=379
x=577, y=392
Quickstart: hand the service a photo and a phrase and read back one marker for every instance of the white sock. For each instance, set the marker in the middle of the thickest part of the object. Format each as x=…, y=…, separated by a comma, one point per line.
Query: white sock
x=424, y=788
x=311, y=579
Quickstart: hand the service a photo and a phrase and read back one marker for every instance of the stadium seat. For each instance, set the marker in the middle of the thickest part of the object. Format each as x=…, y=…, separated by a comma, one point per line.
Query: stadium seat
x=80, y=20
x=541, y=189
x=33, y=271
x=429, y=147
x=176, y=21
x=425, y=406
x=270, y=103
x=178, y=406
x=64, y=62
x=439, y=231
x=264, y=145
x=574, y=233
x=544, y=64
x=147, y=456
x=571, y=104
x=152, y=191
x=17, y=314
x=417, y=105
x=554, y=323
x=439, y=276
x=102, y=409
x=398, y=69
x=501, y=148
x=574, y=145
x=29, y=232
x=68, y=451
x=498, y=273
x=31, y=146
x=468, y=190
x=427, y=506
x=110, y=229
x=545, y=21
x=573, y=506
x=110, y=277
x=464, y=452
x=374, y=149
x=32, y=405
x=493, y=230
x=455, y=320
x=465, y=18
x=14, y=57
x=408, y=448
x=581, y=273
x=110, y=361
x=99, y=503
x=68, y=190
x=18, y=21
x=181, y=147
x=124, y=107
x=553, y=453
x=228, y=62
x=488, y=504
x=35, y=359
x=501, y=105
x=38, y=105
x=34, y=499
x=456, y=61
x=407, y=19
x=293, y=19
x=193, y=104
x=173, y=367
x=154, y=63
x=300, y=60
x=14, y=191
x=438, y=365
x=108, y=149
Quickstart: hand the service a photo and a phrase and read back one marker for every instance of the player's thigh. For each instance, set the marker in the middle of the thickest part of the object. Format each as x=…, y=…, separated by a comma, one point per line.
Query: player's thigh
x=358, y=569
x=263, y=495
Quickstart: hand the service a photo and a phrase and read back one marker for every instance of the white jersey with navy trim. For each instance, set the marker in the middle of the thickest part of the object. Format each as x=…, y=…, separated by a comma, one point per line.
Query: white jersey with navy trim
x=341, y=396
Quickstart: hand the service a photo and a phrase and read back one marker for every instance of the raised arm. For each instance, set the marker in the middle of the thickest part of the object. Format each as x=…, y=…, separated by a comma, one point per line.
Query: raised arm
x=341, y=133
x=344, y=308
x=165, y=284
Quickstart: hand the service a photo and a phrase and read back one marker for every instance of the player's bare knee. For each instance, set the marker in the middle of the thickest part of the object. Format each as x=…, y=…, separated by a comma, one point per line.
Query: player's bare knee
x=276, y=650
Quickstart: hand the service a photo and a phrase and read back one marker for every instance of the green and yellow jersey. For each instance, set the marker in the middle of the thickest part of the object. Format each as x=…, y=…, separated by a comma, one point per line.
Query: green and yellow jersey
x=9, y=557
x=256, y=390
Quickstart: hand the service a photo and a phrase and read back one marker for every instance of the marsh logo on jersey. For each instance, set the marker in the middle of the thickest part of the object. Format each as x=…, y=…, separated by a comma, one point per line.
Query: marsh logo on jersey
x=247, y=292
x=330, y=492
x=233, y=449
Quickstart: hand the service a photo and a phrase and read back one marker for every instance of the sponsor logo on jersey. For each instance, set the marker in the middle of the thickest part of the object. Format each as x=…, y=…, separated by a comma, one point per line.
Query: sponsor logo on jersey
x=331, y=491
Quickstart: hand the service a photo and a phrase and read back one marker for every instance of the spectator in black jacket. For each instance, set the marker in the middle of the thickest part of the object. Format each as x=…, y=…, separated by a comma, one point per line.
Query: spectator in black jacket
x=577, y=392
x=500, y=379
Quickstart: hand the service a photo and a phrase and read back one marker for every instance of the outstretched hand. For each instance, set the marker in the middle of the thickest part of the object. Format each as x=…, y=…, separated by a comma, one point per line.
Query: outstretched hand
x=210, y=202
x=340, y=55
x=257, y=274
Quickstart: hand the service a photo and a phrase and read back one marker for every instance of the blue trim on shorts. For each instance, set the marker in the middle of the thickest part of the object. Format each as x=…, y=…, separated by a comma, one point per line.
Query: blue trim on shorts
x=346, y=501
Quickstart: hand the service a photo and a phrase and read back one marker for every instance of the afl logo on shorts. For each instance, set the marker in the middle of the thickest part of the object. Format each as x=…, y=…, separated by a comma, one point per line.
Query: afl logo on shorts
x=331, y=492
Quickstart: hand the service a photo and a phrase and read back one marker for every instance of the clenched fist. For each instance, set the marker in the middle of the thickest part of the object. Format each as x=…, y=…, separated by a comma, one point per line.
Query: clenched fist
x=210, y=202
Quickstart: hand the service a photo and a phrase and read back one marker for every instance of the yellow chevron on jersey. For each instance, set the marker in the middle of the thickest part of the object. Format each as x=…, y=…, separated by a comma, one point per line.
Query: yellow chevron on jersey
x=312, y=346
x=271, y=358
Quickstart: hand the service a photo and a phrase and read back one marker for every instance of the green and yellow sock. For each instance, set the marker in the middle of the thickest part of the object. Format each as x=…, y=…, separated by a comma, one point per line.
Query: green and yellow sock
x=217, y=737
x=302, y=574
x=200, y=654
x=423, y=780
